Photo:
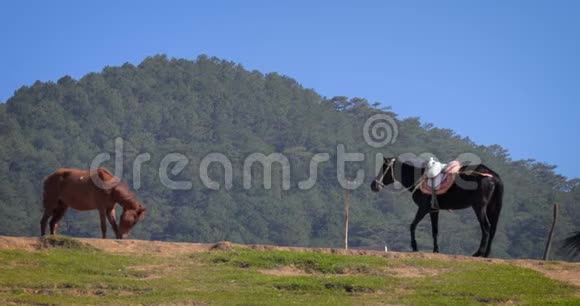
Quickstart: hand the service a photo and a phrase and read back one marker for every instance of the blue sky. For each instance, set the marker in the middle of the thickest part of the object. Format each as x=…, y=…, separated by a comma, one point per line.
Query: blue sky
x=500, y=72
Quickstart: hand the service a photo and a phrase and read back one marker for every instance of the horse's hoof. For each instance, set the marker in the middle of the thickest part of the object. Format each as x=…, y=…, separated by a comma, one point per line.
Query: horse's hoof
x=436, y=251
x=477, y=254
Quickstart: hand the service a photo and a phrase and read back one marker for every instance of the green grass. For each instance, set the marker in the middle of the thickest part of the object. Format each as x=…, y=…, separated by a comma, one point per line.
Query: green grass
x=309, y=262
x=79, y=275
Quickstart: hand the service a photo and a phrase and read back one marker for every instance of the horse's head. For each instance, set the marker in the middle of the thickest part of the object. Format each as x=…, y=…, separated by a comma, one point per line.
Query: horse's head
x=133, y=211
x=119, y=192
x=129, y=218
x=385, y=176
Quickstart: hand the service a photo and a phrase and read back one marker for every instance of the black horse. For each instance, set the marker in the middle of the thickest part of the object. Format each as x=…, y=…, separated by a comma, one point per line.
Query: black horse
x=475, y=186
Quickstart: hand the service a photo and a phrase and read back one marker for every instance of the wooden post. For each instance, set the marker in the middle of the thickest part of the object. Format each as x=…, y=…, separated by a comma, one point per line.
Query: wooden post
x=346, y=209
x=549, y=242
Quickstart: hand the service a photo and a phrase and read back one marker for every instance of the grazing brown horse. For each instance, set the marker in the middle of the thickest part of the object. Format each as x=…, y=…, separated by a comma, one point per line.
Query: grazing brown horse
x=88, y=190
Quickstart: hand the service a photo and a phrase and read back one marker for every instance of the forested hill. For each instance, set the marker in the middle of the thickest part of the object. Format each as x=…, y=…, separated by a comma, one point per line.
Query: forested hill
x=208, y=105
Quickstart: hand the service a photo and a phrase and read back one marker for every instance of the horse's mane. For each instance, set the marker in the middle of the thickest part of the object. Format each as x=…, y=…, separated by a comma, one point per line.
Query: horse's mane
x=124, y=196
x=104, y=174
x=119, y=189
x=414, y=162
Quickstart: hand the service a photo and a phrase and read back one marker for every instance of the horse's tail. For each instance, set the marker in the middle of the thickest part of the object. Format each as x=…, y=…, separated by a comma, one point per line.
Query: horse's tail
x=497, y=200
x=572, y=244
x=494, y=210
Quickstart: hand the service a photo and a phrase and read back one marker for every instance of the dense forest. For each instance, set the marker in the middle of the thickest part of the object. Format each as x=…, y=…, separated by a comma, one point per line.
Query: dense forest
x=209, y=105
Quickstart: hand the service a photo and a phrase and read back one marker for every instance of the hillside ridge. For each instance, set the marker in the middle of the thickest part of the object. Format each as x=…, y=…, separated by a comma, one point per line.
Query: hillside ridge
x=176, y=108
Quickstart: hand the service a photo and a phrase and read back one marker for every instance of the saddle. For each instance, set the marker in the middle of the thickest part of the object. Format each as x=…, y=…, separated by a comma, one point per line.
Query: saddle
x=439, y=177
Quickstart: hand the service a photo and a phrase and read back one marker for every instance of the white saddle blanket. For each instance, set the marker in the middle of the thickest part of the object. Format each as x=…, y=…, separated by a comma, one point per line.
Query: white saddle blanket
x=436, y=181
x=434, y=172
x=439, y=177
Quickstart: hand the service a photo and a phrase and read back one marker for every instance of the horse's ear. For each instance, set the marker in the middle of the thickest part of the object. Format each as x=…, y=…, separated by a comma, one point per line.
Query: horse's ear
x=389, y=159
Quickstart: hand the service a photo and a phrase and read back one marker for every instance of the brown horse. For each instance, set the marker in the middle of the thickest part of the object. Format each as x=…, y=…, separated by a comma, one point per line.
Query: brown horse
x=88, y=190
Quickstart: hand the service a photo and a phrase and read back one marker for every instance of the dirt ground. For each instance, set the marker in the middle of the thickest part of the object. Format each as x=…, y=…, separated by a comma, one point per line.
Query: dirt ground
x=562, y=271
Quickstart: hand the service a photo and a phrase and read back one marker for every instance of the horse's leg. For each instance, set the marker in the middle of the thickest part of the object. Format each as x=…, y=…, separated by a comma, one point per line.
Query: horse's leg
x=111, y=217
x=485, y=230
x=493, y=212
x=423, y=210
x=102, y=215
x=44, y=221
x=56, y=217
x=50, y=201
x=435, y=229
x=491, y=208
x=493, y=219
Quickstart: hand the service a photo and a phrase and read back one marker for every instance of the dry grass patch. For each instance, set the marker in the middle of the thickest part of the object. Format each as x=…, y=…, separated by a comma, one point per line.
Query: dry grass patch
x=285, y=271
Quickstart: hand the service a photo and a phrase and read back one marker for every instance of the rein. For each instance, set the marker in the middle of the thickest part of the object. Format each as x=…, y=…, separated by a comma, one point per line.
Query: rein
x=391, y=167
x=472, y=172
x=380, y=181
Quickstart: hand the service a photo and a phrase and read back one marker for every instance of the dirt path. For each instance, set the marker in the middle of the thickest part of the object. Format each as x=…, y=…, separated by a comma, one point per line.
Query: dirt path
x=562, y=271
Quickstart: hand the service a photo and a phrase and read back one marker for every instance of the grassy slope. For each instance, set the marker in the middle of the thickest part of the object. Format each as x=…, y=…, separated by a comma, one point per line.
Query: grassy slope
x=73, y=273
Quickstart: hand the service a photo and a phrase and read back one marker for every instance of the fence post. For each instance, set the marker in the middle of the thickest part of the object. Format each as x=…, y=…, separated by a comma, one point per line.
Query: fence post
x=346, y=209
x=549, y=242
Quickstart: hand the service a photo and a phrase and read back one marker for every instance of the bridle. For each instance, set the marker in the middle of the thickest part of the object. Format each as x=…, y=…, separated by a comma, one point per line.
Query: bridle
x=391, y=167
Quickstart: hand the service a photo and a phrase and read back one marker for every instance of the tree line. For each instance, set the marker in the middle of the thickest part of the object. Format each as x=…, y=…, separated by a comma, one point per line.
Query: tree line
x=165, y=105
